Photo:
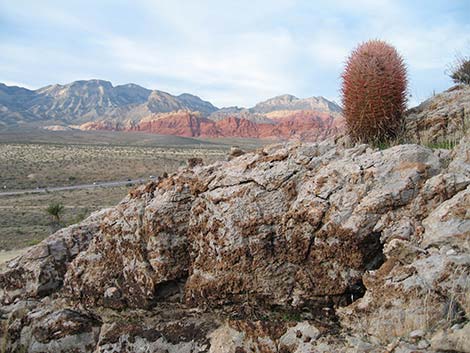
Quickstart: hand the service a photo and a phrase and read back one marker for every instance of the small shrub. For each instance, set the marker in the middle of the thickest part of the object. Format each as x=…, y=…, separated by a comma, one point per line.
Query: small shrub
x=33, y=242
x=459, y=71
x=374, y=91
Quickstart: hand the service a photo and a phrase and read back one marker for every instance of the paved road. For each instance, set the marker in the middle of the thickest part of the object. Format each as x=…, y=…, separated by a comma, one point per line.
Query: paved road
x=74, y=187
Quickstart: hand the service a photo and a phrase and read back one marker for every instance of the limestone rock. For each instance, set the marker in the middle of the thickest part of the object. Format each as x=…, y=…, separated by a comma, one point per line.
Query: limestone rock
x=293, y=248
x=452, y=340
x=442, y=118
x=235, y=151
x=39, y=330
x=141, y=246
x=449, y=224
x=307, y=231
x=41, y=270
x=461, y=158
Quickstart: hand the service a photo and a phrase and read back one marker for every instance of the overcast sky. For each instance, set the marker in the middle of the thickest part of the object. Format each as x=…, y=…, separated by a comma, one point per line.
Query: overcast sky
x=228, y=52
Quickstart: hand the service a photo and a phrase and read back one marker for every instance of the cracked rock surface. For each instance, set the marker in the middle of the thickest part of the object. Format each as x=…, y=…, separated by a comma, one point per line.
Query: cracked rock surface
x=293, y=248
x=443, y=118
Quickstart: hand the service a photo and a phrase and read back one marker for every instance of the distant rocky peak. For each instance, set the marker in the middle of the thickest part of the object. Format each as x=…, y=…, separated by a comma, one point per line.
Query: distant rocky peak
x=82, y=87
x=13, y=90
x=132, y=86
x=290, y=102
x=94, y=100
x=91, y=83
x=188, y=96
x=284, y=97
x=85, y=85
x=197, y=103
x=132, y=93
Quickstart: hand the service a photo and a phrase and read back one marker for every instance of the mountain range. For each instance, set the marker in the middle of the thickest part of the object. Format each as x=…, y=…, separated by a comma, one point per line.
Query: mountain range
x=98, y=105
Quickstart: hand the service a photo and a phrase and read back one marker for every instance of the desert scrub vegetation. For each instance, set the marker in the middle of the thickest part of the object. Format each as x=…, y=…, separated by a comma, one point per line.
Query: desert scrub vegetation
x=374, y=88
x=24, y=166
x=459, y=70
x=24, y=220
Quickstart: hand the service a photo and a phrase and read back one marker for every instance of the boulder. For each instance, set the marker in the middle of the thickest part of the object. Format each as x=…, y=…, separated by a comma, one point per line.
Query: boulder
x=40, y=271
x=38, y=329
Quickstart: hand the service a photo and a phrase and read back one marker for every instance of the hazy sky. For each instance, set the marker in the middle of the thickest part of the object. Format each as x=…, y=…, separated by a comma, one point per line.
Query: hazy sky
x=228, y=52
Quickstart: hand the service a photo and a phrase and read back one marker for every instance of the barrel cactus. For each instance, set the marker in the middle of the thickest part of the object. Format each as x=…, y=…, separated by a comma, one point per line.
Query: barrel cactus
x=374, y=92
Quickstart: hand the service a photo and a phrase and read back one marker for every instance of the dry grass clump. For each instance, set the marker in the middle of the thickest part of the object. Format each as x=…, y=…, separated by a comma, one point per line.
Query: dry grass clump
x=459, y=71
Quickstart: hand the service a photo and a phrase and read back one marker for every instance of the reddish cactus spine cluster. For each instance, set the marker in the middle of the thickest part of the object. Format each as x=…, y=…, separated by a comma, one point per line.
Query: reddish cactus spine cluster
x=374, y=92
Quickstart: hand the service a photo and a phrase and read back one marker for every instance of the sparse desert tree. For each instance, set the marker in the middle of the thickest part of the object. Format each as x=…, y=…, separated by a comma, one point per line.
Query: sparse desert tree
x=374, y=88
x=55, y=210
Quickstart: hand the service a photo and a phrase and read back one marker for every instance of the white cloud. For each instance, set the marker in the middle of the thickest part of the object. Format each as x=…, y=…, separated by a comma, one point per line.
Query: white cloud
x=231, y=53
x=430, y=48
x=329, y=51
x=251, y=64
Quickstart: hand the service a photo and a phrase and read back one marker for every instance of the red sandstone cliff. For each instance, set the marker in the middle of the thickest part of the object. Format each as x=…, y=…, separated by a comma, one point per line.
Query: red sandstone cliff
x=302, y=124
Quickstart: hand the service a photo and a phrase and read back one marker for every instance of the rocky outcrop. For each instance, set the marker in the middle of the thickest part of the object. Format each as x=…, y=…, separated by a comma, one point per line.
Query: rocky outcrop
x=51, y=329
x=293, y=248
x=145, y=238
x=442, y=119
x=40, y=271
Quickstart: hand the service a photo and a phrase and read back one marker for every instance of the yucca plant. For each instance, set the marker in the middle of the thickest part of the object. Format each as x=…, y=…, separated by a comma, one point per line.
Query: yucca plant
x=55, y=209
x=374, y=88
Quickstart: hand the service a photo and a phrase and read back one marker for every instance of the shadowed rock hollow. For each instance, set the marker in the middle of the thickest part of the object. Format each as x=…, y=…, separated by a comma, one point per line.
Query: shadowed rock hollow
x=293, y=248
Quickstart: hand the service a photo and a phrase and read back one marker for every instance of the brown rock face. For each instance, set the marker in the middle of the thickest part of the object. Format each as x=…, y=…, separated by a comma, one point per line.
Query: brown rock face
x=236, y=127
x=181, y=123
x=294, y=248
x=140, y=248
x=251, y=232
x=308, y=125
